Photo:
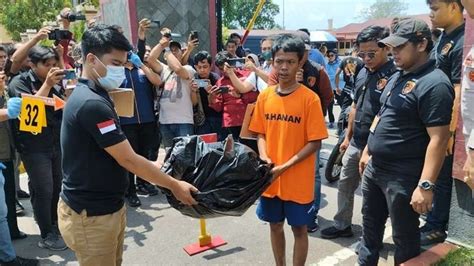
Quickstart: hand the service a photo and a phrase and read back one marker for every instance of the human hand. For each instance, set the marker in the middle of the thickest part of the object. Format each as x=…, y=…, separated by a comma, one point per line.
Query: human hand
x=194, y=86
x=228, y=69
x=3, y=78
x=344, y=145
x=192, y=43
x=278, y=170
x=55, y=75
x=135, y=60
x=59, y=50
x=42, y=34
x=14, y=107
x=143, y=26
x=469, y=170
x=249, y=65
x=364, y=160
x=266, y=159
x=338, y=91
x=422, y=200
x=183, y=192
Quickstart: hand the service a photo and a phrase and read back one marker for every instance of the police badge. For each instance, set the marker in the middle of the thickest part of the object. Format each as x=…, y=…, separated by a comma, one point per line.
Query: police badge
x=381, y=83
x=409, y=86
x=446, y=48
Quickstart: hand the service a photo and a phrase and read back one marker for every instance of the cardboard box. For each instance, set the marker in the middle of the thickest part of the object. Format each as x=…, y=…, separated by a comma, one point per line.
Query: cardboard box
x=124, y=100
x=245, y=133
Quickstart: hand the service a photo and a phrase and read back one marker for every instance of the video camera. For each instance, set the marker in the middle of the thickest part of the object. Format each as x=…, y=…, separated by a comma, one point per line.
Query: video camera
x=71, y=17
x=58, y=35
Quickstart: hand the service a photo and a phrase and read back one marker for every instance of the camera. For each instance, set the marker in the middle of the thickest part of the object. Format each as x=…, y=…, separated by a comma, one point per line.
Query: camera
x=155, y=24
x=58, y=35
x=71, y=17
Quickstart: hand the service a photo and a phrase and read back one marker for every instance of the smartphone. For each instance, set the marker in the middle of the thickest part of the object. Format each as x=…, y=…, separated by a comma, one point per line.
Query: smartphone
x=223, y=89
x=202, y=83
x=70, y=74
x=155, y=24
x=58, y=35
x=194, y=35
x=236, y=62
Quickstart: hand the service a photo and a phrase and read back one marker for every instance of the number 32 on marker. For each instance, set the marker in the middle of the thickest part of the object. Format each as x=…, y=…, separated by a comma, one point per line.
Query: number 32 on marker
x=32, y=116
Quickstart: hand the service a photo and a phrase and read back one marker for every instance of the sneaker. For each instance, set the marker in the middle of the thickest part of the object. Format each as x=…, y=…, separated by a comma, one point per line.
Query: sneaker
x=21, y=194
x=19, y=261
x=52, y=242
x=433, y=236
x=19, y=208
x=133, y=200
x=332, y=232
x=147, y=189
x=313, y=228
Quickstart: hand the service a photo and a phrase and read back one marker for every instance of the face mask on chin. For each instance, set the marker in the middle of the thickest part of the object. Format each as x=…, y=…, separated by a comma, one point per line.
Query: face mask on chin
x=114, y=77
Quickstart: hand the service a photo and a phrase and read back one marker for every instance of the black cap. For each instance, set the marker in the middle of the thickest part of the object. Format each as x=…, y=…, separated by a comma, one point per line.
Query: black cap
x=406, y=29
x=175, y=43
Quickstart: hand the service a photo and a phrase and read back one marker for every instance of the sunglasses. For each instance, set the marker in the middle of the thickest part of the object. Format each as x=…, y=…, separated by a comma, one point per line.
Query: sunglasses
x=371, y=55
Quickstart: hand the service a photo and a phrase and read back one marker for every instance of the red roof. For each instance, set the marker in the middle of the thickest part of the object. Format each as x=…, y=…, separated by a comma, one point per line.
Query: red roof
x=350, y=31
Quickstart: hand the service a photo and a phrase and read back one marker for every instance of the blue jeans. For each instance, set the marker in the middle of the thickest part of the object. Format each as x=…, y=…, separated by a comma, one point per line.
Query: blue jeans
x=317, y=190
x=7, y=253
x=438, y=218
x=171, y=131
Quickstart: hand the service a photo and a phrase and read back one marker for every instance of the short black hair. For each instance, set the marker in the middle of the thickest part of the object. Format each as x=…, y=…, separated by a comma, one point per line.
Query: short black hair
x=202, y=55
x=288, y=43
x=230, y=41
x=419, y=39
x=232, y=35
x=222, y=57
x=41, y=54
x=372, y=33
x=102, y=39
x=429, y=2
x=304, y=30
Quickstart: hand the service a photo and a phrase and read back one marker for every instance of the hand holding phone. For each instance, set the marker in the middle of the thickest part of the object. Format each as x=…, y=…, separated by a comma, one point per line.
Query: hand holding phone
x=202, y=83
x=69, y=74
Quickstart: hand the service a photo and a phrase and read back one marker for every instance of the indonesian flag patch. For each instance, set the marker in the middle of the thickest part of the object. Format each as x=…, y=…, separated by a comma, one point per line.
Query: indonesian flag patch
x=107, y=126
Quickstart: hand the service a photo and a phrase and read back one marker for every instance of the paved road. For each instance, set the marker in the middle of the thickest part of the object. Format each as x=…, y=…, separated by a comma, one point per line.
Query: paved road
x=156, y=235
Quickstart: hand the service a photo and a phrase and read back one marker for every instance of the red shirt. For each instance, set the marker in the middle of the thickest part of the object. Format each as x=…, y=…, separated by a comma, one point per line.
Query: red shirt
x=232, y=108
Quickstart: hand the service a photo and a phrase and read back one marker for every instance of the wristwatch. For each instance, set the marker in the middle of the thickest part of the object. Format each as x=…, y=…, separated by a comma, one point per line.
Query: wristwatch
x=426, y=185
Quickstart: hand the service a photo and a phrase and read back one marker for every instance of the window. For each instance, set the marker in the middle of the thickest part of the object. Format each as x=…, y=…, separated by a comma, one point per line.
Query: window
x=341, y=45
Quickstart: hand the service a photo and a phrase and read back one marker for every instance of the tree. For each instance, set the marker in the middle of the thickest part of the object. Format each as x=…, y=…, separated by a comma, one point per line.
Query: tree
x=19, y=15
x=238, y=13
x=384, y=9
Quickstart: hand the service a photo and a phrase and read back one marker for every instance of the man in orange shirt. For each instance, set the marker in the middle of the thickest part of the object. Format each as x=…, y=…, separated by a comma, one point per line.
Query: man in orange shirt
x=290, y=125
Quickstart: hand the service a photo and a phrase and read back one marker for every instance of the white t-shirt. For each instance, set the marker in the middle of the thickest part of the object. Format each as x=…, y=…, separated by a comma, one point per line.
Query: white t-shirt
x=175, y=103
x=467, y=100
x=256, y=81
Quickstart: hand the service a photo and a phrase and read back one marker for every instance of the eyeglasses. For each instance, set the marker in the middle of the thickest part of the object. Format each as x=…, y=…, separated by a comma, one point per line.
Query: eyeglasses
x=371, y=55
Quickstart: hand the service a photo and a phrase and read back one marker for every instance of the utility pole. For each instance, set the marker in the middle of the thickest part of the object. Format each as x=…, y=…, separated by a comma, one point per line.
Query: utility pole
x=284, y=14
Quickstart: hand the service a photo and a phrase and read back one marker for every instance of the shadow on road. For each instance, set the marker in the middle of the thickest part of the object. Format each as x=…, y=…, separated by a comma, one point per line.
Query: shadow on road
x=220, y=253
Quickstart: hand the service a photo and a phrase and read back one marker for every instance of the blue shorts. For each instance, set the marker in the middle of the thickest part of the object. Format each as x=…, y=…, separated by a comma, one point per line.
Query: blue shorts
x=275, y=210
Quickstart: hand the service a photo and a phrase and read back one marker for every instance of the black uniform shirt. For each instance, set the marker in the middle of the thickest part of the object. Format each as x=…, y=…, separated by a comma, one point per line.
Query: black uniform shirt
x=449, y=51
x=93, y=180
x=351, y=65
x=411, y=102
x=369, y=88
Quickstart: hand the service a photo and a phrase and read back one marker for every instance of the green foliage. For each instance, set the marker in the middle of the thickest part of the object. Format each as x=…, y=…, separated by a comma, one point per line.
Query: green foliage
x=384, y=9
x=238, y=13
x=19, y=15
x=78, y=28
x=460, y=256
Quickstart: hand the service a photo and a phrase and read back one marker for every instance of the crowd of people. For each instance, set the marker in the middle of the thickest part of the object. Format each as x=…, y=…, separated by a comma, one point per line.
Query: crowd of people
x=403, y=89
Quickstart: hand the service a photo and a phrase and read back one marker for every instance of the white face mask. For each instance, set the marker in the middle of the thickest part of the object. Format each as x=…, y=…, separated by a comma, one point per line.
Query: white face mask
x=114, y=77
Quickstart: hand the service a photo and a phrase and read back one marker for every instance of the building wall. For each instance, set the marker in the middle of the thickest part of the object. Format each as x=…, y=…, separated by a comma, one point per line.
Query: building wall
x=116, y=12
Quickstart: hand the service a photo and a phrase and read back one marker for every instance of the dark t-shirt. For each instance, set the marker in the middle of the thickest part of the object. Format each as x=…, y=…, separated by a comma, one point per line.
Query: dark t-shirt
x=350, y=67
x=93, y=180
x=48, y=139
x=208, y=111
x=369, y=88
x=448, y=54
x=411, y=102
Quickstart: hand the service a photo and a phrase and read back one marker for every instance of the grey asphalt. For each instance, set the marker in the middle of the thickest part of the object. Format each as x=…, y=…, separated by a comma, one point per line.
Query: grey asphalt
x=156, y=235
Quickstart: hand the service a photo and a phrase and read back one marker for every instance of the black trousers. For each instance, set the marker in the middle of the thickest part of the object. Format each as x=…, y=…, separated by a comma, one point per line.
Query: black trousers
x=44, y=180
x=386, y=194
x=10, y=197
x=143, y=139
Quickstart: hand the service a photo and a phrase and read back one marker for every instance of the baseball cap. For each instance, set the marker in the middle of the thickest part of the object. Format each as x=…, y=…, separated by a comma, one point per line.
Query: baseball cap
x=404, y=30
x=175, y=43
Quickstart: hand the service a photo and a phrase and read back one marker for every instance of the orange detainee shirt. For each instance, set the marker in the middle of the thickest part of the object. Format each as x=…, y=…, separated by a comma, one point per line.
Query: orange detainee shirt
x=289, y=122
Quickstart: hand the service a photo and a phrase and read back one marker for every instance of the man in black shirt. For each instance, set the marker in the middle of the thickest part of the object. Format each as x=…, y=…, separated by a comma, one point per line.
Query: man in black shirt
x=406, y=146
x=446, y=15
x=40, y=153
x=97, y=155
x=370, y=84
x=350, y=67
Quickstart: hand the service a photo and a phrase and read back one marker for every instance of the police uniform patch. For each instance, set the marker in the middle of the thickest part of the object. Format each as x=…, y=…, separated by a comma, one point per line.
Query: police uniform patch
x=311, y=81
x=446, y=48
x=381, y=83
x=471, y=75
x=409, y=86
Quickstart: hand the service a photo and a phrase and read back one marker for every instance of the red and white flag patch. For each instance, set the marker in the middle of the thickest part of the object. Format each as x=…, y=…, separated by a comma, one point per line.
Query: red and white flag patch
x=107, y=126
